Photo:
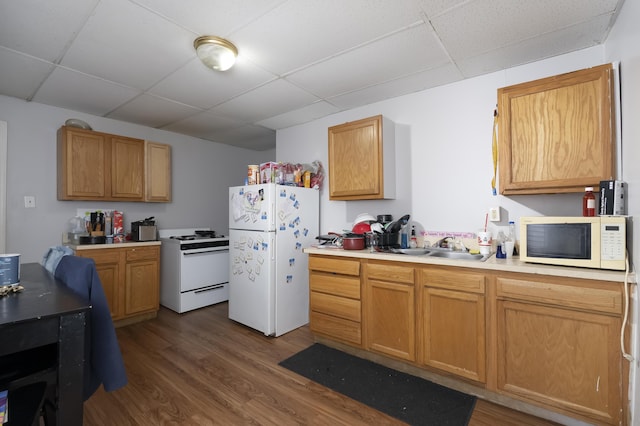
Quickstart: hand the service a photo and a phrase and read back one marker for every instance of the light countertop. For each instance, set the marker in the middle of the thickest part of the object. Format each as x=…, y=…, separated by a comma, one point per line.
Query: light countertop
x=127, y=244
x=492, y=264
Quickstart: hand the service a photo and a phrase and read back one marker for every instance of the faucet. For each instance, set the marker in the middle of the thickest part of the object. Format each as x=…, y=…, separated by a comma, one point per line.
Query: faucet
x=442, y=241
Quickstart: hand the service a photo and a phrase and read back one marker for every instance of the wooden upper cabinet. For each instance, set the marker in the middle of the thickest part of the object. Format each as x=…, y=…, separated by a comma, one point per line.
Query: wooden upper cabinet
x=362, y=160
x=127, y=168
x=104, y=167
x=557, y=134
x=157, y=172
x=83, y=165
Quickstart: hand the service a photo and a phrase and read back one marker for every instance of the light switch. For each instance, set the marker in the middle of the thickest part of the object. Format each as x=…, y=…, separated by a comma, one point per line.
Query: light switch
x=494, y=214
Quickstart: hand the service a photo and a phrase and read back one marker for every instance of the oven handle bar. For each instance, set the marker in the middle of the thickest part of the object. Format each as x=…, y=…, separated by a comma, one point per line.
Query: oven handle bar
x=206, y=251
x=213, y=287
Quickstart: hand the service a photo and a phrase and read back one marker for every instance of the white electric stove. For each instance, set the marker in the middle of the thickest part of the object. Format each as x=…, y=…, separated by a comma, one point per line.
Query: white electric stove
x=194, y=270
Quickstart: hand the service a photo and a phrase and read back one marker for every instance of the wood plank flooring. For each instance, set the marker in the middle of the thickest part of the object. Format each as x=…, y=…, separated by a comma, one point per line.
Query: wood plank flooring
x=200, y=368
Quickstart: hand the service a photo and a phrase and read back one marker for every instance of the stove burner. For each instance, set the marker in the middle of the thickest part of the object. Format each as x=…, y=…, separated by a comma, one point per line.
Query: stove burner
x=197, y=236
x=206, y=234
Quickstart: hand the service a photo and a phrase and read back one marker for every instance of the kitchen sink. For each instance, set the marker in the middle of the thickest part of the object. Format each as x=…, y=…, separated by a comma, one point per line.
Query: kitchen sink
x=459, y=255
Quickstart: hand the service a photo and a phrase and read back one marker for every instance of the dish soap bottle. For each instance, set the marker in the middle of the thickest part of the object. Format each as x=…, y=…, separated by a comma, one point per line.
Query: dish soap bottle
x=404, y=237
x=414, y=240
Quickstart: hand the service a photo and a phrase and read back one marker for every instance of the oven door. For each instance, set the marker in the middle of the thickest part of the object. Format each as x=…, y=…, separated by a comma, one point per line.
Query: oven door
x=203, y=268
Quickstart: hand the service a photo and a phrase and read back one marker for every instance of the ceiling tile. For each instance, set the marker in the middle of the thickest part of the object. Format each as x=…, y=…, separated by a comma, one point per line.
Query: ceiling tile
x=534, y=49
x=305, y=31
x=402, y=86
x=152, y=111
x=20, y=75
x=203, y=125
x=471, y=29
x=400, y=54
x=124, y=43
x=211, y=17
x=266, y=101
x=80, y=92
x=195, y=84
x=42, y=28
x=249, y=136
x=298, y=116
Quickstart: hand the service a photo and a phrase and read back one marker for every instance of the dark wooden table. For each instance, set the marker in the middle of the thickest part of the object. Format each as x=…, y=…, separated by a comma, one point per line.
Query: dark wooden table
x=42, y=338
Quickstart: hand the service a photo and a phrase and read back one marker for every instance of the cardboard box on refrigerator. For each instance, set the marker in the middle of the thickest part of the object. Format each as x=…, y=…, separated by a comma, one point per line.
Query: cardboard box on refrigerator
x=613, y=194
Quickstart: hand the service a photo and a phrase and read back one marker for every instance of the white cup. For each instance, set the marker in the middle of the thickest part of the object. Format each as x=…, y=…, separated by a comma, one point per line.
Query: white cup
x=484, y=242
x=508, y=248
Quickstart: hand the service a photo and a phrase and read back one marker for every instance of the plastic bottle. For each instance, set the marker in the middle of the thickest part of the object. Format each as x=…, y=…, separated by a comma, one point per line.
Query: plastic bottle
x=404, y=237
x=512, y=231
x=588, y=202
x=512, y=237
x=414, y=240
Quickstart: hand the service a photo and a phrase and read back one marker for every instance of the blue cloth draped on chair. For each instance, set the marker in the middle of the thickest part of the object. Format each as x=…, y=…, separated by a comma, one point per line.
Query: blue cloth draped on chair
x=103, y=358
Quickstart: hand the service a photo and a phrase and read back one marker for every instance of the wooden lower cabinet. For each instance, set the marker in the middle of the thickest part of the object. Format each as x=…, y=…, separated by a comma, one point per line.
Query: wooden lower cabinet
x=548, y=341
x=142, y=278
x=390, y=310
x=130, y=278
x=452, y=322
x=335, y=299
x=551, y=352
x=109, y=269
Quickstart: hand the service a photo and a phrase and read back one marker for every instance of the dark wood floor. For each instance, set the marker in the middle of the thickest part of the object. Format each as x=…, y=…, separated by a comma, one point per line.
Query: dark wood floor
x=200, y=368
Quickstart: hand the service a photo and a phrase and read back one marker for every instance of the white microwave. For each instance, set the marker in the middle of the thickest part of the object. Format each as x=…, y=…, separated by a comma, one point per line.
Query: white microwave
x=590, y=242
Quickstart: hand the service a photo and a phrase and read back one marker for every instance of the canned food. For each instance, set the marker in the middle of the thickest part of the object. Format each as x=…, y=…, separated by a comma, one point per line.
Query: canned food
x=252, y=174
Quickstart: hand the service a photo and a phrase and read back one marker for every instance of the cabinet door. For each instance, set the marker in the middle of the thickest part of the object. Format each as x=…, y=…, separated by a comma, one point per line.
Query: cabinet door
x=127, y=168
x=562, y=358
x=82, y=165
x=452, y=332
x=108, y=267
x=157, y=172
x=390, y=319
x=355, y=160
x=141, y=287
x=557, y=134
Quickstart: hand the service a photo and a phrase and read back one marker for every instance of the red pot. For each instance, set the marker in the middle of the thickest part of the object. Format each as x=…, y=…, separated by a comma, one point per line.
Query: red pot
x=353, y=242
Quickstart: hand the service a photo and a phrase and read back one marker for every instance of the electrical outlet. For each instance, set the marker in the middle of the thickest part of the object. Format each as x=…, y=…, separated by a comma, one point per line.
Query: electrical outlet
x=494, y=214
x=29, y=202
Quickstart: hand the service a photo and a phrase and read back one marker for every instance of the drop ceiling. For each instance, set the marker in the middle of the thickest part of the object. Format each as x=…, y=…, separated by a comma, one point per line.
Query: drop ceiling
x=299, y=60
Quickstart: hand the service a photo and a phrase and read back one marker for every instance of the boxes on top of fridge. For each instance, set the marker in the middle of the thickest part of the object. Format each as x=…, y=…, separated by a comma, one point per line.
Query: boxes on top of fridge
x=269, y=172
x=293, y=174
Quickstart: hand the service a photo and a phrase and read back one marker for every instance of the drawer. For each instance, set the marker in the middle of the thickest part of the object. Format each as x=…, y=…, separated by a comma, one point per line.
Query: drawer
x=337, y=285
x=389, y=272
x=337, y=306
x=461, y=281
x=335, y=266
x=601, y=299
x=101, y=256
x=143, y=253
x=336, y=328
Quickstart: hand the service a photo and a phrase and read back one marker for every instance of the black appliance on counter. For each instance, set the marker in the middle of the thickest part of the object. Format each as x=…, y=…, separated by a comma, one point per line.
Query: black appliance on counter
x=144, y=230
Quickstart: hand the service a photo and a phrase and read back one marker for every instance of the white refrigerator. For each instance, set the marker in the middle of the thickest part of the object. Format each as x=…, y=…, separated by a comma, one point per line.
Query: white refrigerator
x=269, y=226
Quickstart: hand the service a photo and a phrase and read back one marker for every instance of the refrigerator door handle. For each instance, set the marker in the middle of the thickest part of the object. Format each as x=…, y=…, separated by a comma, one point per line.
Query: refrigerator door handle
x=273, y=248
x=273, y=214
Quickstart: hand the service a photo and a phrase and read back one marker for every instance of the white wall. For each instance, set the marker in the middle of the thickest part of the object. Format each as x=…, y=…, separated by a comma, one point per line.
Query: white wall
x=450, y=159
x=202, y=173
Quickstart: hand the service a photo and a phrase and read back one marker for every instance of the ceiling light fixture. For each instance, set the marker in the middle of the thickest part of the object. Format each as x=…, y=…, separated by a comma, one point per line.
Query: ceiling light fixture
x=215, y=52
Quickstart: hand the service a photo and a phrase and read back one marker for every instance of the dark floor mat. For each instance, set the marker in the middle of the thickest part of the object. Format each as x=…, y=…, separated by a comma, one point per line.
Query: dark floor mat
x=408, y=398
